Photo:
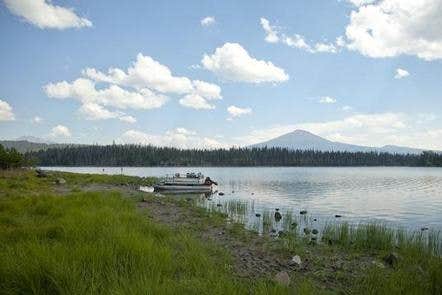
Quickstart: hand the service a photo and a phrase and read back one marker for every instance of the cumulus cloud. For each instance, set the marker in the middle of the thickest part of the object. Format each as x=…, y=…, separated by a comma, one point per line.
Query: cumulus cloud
x=179, y=138
x=60, y=131
x=236, y=112
x=85, y=91
x=401, y=73
x=6, y=113
x=390, y=28
x=143, y=86
x=232, y=62
x=208, y=21
x=347, y=108
x=44, y=14
x=196, y=101
x=147, y=73
x=273, y=35
x=327, y=99
x=93, y=111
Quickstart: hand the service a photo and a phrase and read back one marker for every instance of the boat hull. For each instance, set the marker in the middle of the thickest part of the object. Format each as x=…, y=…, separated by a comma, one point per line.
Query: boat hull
x=183, y=188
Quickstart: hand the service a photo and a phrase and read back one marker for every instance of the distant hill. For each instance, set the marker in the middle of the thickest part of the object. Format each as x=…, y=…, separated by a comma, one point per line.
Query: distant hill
x=25, y=144
x=304, y=140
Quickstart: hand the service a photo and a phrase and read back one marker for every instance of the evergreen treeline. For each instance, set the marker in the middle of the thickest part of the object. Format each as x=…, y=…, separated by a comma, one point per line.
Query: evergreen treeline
x=138, y=155
x=10, y=158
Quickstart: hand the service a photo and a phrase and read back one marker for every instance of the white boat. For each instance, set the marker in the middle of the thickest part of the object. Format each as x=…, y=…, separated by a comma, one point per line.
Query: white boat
x=188, y=183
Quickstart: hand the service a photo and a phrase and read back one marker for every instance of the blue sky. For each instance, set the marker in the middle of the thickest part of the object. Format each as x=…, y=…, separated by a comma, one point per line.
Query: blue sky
x=266, y=69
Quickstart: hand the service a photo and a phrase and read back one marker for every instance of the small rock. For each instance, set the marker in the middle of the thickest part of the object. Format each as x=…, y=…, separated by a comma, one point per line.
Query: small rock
x=258, y=215
x=233, y=192
x=338, y=216
x=314, y=239
x=314, y=219
x=329, y=242
x=278, y=216
x=378, y=264
x=273, y=230
x=296, y=260
x=294, y=225
x=303, y=212
x=391, y=259
x=60, y=181
x=282, y=278
x=281, y=234
x=306, y=230
x=41, y=173
x=315, y=231
x=220, y=194
x=218, y=205
x=252, y=194
x=424, y=228
x=276, y=209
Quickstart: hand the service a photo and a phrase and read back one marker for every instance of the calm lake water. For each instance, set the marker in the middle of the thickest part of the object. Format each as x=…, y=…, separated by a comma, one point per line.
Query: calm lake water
x=408, y=197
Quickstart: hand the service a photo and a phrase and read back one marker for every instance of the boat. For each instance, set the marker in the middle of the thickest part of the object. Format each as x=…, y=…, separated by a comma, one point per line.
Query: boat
x=187, y=183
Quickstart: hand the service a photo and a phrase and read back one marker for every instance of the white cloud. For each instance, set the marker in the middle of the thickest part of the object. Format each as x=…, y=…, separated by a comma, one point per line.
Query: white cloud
x=361, y=2
x=347, y=108
x=196, y=101
x=236, y=112
x=84, y=90
x=390, y=28
x=43, y=14
x=207, y=90
x=325, y=47
x=60, y=131
x=296, y=40
x=179, y=138
x=327, y=99
x=232, y=62
x=208, y=21
x=146, y=73
x=271, y=32
x=37, y=120
x=401, y=73
x=127, y=119
x=6, y=113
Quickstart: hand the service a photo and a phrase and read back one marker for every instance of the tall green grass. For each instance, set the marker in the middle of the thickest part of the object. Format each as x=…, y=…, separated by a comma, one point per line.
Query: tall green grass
x=91, y=243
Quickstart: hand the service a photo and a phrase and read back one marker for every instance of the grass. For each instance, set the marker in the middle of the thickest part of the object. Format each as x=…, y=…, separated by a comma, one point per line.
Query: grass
x=99, y=243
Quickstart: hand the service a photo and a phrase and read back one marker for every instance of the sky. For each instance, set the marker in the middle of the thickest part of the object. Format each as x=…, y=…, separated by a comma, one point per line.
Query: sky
x=209, y=74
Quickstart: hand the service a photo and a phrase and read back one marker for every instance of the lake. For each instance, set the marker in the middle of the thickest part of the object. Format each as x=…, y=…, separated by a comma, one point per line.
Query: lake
x=405, y=197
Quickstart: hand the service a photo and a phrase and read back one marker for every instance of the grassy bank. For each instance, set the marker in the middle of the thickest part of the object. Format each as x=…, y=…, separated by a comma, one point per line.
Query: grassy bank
x=97, y=242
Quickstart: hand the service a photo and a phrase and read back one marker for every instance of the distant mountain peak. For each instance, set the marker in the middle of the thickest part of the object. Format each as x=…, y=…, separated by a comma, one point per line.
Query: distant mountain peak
x=304, y=140
x=34, y=139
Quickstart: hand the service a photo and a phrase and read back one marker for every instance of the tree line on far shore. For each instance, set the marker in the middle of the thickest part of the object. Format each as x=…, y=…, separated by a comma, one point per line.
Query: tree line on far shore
x=141, y=155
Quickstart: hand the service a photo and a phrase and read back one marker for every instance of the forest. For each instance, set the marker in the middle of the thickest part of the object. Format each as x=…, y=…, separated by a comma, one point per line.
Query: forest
x=142, y=155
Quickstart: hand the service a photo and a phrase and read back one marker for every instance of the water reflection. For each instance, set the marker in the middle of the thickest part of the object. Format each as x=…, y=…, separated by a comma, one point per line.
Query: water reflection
x=410, y=197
